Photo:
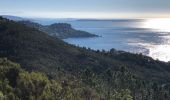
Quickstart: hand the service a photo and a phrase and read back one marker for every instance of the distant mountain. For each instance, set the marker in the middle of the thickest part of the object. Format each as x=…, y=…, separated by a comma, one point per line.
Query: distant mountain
x=60, y=30
x=79, y=73
x=113, y=20
x=15, y=18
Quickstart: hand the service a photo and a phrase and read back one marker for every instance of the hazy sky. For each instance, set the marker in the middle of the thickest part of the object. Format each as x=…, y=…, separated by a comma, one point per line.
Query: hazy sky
x=86, y=8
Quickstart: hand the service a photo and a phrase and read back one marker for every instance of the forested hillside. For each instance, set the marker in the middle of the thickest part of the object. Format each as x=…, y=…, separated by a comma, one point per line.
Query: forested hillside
x=17, y=84
x=59, y=30
x=74, y=73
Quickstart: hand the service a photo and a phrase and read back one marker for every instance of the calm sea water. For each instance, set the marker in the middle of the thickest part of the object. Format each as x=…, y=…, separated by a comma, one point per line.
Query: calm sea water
x=127, y=35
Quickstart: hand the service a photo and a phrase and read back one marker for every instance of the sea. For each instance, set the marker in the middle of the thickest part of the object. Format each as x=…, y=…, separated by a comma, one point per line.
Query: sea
x=146, y=36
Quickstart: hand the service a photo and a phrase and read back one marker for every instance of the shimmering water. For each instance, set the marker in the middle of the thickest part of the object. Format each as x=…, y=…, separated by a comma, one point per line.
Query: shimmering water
x=148, y=37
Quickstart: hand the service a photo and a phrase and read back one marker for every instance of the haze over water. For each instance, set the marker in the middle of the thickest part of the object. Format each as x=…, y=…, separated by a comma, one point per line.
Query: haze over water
x=150, y=37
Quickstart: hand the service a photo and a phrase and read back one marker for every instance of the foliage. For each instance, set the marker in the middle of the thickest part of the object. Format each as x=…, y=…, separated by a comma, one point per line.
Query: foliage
x=54, y=70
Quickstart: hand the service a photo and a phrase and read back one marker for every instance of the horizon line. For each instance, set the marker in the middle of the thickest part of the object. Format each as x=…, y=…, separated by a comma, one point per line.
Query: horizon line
x=92, y=18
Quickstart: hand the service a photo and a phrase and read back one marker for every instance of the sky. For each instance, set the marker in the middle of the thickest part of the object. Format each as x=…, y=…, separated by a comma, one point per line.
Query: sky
x=86, y=8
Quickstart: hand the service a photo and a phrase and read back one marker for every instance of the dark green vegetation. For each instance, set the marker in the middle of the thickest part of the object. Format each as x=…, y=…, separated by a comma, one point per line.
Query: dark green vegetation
x=17, y=84
x=60, y=30
x=57, y=70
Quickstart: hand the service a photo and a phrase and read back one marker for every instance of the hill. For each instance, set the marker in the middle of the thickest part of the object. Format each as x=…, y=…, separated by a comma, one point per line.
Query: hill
x=15, y=18
x=59, y=30
x=107, y=73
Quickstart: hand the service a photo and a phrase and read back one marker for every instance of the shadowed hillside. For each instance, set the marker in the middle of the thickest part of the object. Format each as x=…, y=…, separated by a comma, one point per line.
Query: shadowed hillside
x=105, y=72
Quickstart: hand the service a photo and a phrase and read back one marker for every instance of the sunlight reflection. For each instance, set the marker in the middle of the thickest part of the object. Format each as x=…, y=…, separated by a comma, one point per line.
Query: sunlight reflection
x=162, y=24
x=161, y=52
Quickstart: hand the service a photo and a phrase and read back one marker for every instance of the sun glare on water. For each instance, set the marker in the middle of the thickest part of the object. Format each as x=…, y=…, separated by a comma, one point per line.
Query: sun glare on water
x=162, y=24
x=159, y=51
